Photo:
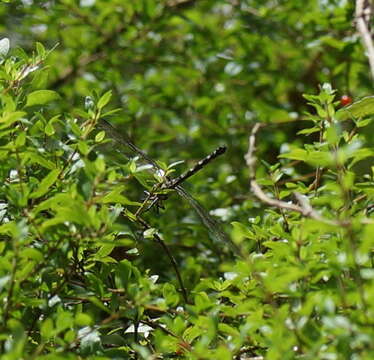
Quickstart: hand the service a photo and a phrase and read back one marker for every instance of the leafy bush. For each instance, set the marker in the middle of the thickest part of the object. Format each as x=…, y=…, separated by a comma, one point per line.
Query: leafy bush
x=76, y=278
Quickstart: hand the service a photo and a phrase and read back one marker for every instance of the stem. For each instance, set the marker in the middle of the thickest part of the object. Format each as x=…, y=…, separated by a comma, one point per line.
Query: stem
x=157, y=238
x=286, y=225
x=317, y=180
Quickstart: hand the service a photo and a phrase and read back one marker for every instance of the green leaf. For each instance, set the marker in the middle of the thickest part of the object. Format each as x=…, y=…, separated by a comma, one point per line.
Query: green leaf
x=82, y=319
x=192, y=333
x=150, y=7
x=11, y=118
x=100, y=136
x=32, y=253
x=170, y=294
x=308, y=131
x=104, y=250
x=38, y=159
x=83, y=147
x=46, y=329
x=41, y=97
x=64, y=320
x=111, y=112
x=49, y=129
x=100, y=164
x=228, y=330
x=95, y=301
x=202, y=301
x=40, y=49
x=361, y=154
x=115, y=196
x=45, y=184
x=123, y=274
x=295, y=154
x=21, y=139
x=104, y=99
x=363, y=122
x=241, y=232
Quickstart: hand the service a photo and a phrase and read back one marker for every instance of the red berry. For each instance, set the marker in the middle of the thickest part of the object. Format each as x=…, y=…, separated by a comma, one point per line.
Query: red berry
x=345, y=100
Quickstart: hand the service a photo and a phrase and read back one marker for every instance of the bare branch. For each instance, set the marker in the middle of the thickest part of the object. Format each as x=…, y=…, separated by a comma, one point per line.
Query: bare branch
x=363, y=17
x=303, y=208
x=250, y=156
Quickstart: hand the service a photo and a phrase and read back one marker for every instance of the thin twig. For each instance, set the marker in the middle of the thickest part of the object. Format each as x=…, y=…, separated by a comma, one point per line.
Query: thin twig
x=303, y=208
x=284, y=216
x=319, y=170
x=363, y=17
x=158, y=239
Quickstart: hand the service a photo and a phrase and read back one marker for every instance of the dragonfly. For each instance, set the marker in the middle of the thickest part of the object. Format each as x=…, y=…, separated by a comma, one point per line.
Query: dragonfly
x=211, y=224
x=155, y=196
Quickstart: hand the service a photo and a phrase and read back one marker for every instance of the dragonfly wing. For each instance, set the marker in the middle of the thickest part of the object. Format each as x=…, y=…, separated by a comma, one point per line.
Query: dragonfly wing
x=123, y=140
x=212, y=225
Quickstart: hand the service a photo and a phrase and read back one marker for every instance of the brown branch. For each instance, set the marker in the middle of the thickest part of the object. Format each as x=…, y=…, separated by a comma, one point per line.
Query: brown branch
x=304, y=208
x=363, y=17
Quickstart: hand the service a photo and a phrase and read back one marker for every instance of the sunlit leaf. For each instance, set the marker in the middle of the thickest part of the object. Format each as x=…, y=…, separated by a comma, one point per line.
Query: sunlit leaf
x=104, y=100
x=46, y=183
x=41, y=97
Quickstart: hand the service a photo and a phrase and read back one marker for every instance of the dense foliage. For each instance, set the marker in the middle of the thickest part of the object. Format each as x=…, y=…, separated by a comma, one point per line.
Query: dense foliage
x=90, y=269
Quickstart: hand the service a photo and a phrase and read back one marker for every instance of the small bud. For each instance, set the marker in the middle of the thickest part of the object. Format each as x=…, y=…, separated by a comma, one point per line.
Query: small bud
x=327, y=88
x=89, y=103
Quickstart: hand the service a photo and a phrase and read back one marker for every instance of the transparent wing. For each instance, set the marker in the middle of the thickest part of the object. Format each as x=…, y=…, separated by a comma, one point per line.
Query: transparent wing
x=213, y=226
x=126, y=143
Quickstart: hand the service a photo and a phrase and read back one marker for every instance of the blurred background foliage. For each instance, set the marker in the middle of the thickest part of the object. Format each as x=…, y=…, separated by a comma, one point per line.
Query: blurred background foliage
x=190, y=75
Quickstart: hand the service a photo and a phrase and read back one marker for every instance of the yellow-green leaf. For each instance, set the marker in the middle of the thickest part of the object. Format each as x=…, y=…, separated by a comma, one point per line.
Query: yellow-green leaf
x=41, y=97
x=100, y=136
x=32, y=253
x=104, y=99
x=46, y=183
x=46, y=329
x=10, y=118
